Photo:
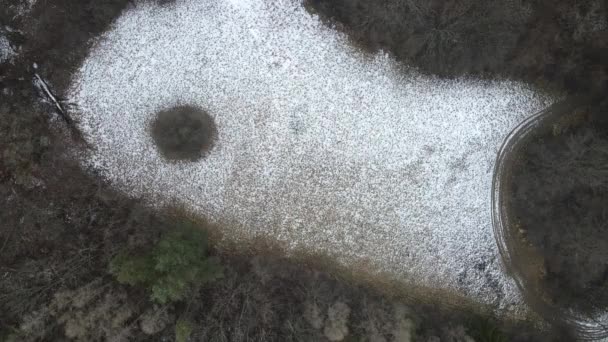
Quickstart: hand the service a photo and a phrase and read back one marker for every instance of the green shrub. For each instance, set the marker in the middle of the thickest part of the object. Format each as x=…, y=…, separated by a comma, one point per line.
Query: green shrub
x=183, y=330
x=484, y=330
x=176, y=265
x=9, y=335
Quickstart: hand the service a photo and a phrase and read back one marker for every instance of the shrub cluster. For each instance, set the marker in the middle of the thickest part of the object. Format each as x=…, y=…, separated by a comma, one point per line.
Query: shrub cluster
x=176, y=265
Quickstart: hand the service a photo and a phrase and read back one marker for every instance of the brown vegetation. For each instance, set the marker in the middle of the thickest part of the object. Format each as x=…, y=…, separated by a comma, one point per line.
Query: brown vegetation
x=561, y=44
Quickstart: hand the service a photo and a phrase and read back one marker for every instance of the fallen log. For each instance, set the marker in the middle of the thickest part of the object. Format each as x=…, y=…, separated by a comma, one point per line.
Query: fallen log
x=58, y=105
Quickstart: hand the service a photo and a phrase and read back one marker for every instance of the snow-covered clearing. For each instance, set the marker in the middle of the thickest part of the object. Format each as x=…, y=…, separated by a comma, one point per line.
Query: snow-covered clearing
x=320, y=146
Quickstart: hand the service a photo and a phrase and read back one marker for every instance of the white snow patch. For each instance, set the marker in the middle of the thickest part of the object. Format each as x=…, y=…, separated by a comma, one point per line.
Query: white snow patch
x=320, y=146
x=6, y=51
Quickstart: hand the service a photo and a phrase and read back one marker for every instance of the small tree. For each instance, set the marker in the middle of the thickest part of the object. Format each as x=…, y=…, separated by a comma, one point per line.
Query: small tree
x=176, y=265
x=183, y=330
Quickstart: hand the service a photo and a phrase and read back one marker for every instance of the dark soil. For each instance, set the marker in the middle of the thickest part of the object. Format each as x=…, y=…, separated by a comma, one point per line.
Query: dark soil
x=560, y=202
x=183, y=133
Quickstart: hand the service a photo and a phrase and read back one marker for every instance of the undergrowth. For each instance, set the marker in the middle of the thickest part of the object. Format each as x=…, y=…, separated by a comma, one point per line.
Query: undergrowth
x=176, y=266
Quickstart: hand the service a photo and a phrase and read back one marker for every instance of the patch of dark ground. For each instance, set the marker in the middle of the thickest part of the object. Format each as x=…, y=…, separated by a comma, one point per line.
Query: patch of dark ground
x=183, y=133
x=60, y=226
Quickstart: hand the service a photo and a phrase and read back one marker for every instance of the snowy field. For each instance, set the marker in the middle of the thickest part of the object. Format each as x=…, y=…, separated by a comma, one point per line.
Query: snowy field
x=320, y=146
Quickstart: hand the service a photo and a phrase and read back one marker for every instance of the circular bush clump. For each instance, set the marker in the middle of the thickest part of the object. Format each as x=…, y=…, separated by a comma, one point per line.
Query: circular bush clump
x=183, y=133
